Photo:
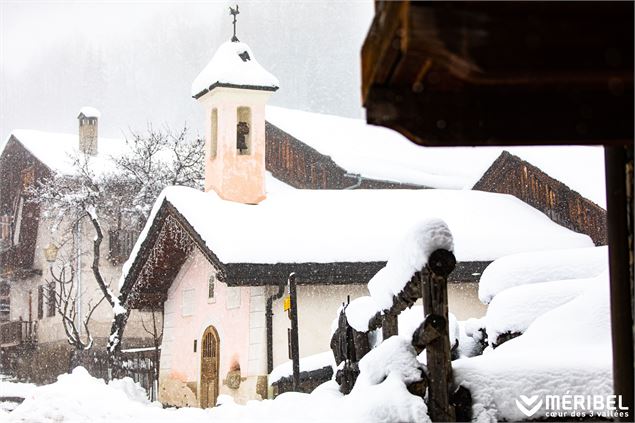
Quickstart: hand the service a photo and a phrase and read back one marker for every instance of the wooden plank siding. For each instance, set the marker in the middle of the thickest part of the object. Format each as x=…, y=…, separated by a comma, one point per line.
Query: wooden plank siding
x=510, y=174
x=18, y=169
x=301, y=166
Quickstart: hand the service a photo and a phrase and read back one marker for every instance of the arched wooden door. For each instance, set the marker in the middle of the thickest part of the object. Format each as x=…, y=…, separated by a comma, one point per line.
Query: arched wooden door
x=210, y=348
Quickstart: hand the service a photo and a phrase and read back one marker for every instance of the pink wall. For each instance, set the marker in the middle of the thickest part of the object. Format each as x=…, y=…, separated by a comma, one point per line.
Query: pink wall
x=180, y=331
x=235, y=177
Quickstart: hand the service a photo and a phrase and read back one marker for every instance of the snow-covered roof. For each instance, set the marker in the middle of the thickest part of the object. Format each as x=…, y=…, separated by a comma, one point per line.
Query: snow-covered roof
x=380, y=153
x=324, y=226
x=89, y=112
x=57, y=150
x=233, y=64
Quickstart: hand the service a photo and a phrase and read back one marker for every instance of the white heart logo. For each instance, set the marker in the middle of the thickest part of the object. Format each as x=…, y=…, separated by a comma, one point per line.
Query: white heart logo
x=526, y=405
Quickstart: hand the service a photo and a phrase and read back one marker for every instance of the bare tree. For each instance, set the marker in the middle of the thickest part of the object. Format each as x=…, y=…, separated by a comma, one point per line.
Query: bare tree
x=65, y=295
x=124, y=194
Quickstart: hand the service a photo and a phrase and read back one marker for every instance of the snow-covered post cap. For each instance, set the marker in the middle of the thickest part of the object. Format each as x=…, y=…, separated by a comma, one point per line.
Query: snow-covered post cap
x=420, y=245
x=428, y=243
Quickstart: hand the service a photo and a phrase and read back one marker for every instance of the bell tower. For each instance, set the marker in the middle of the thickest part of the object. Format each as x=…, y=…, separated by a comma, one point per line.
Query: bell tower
x=233, y=90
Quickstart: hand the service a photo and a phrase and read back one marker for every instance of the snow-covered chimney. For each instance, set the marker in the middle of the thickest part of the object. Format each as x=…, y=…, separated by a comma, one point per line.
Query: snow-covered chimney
x=88, y=136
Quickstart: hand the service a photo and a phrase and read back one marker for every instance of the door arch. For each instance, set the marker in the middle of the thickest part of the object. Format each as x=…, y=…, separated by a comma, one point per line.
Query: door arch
x=210, y=348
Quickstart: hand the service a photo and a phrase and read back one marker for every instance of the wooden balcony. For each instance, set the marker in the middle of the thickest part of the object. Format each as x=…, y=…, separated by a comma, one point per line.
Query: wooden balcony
x=18, y=332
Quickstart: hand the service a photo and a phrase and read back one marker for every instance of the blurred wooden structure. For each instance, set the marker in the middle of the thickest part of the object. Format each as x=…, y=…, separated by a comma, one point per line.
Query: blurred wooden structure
x=518, y=73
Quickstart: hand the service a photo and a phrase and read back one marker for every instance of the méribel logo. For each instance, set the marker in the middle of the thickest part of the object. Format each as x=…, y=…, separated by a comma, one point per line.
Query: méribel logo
x=528, y=405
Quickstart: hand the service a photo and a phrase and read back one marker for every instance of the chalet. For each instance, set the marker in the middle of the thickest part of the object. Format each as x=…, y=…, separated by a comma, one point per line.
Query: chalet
x=33, y=343
x=217, y=262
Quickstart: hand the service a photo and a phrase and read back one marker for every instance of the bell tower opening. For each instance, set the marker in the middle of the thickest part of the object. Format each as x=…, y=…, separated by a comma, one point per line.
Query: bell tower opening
x=243, y=135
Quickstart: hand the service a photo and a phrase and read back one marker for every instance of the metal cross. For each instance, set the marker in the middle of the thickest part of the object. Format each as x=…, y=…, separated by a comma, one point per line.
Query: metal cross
x=234, y=12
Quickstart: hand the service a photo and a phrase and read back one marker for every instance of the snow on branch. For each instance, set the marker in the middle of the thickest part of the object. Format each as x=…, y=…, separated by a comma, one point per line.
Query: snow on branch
x=118, y=195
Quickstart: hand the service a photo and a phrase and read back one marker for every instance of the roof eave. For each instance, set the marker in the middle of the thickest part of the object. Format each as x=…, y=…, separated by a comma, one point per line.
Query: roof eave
x=272, y=88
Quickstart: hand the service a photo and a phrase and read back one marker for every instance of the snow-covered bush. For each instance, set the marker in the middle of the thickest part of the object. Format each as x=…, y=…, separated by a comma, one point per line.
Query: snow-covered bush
x=566, y=350
x=512, y=311
x=542, y=266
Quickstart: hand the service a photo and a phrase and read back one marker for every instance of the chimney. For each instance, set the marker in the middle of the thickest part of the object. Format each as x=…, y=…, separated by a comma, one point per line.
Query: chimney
x=88, y=137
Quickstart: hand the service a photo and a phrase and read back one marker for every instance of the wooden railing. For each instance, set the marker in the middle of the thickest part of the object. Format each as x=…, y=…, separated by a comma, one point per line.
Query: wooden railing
x=18, y=332
x=430, y=285
x=142, y=365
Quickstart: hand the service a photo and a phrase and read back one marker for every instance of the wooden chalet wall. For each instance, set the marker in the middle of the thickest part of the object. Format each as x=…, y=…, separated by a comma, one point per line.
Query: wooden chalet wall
x=511, y=175
x=18, y=170
x=296, y=164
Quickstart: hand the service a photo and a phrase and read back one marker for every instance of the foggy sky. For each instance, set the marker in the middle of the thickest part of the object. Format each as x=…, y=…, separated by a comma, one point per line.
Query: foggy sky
x=135, y=61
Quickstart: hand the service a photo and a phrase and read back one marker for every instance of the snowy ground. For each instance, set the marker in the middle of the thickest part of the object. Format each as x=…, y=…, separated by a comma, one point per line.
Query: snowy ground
x=379, y=396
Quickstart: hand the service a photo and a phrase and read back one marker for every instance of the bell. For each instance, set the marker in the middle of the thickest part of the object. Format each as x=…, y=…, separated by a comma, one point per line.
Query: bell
x=242, y=131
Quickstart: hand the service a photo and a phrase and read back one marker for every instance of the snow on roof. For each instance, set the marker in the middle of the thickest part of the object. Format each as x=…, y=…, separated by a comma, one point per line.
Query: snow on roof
x=323, y=226
x=233, y=64
x=57, y=150
x=380, y=153
x=89, y=112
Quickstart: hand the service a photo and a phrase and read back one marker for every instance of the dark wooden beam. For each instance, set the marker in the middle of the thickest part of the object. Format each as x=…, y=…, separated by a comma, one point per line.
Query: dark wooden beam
x=505, y=115
x=618, y=162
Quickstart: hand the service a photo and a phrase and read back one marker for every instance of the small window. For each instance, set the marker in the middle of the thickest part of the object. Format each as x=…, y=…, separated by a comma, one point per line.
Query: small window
x=210, y=288
x=18, y=222
x=243, y=131
x=5, y=301
x=40, y=302
x=214, y=139
x=187, y=308
x=5, y=228
x=51, y=299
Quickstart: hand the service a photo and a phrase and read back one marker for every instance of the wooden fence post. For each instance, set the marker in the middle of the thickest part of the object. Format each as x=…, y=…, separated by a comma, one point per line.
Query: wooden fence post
x=435, y=302
x=389, y=326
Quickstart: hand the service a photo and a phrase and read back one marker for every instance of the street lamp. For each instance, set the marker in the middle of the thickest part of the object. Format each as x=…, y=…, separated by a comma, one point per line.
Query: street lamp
x=50, y=253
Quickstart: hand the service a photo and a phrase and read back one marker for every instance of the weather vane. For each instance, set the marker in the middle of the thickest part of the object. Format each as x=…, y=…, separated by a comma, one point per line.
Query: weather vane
x=234, y=12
